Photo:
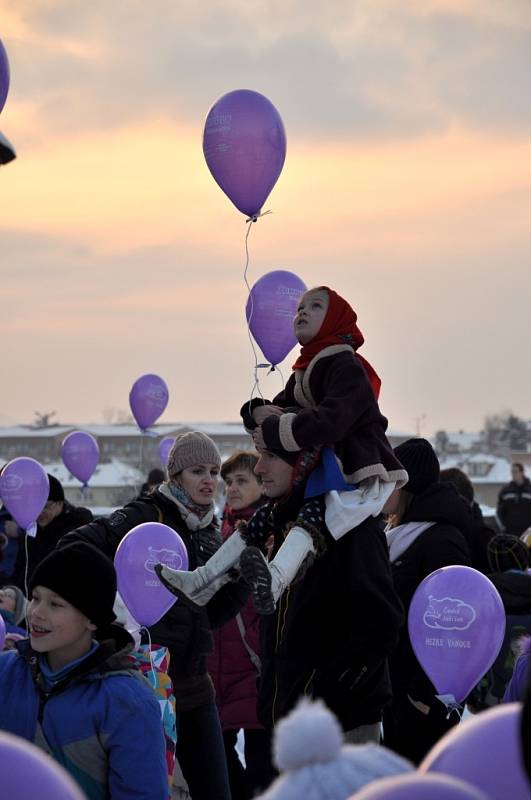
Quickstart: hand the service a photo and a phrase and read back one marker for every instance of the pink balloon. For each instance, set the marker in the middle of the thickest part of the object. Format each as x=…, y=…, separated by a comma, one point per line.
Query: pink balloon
x=80, y=454
x=456, y=625
x=24, y=489
x=148, y=399
x=164, y=449
x=486, y=751
x=419, y=787
x=2, y=632
x=139, y=551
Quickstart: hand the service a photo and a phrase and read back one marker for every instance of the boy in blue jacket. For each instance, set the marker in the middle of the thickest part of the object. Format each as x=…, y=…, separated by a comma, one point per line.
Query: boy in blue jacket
x=70, y=687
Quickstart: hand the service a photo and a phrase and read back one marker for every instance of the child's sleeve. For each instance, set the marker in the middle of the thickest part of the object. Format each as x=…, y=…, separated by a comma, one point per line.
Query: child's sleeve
x=134, y=740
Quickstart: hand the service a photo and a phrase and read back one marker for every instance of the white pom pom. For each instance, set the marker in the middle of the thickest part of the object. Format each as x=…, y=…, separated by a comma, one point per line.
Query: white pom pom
x=309, y=735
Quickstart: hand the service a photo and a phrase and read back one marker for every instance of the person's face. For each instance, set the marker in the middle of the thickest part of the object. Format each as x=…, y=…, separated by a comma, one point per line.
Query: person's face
x=310, y=315
x=517, y=474
x=275, y=473
x=8, y=599
x=243, y=489
x=51, y=510
x=391, y=506
x=57, y=628
x=200, y=481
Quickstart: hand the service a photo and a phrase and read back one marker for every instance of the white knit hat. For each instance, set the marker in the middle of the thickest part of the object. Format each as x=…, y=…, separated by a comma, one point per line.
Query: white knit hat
x=316, y=765
x=190, y=449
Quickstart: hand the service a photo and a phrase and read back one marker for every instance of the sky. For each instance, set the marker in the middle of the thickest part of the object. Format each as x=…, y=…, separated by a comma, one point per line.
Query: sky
x=406, y=188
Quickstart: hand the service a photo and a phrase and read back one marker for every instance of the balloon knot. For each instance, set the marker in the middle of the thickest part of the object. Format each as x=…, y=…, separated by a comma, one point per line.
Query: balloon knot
x=256, y=217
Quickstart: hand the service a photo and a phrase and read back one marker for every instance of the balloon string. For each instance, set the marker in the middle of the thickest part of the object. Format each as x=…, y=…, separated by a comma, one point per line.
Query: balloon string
x=151, y=662
x=257, y=366
x=26, y=580
x=141, y=468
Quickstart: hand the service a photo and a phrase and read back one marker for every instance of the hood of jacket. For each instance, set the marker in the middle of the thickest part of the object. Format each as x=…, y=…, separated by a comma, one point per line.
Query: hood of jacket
x=440, y=503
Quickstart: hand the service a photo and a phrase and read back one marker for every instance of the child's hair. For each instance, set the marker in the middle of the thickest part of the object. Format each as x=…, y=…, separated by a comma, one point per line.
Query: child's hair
x=241, y=459
x=461, y=481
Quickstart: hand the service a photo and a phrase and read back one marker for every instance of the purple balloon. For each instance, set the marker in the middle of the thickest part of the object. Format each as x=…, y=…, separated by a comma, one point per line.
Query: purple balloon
x=244, y=144
x=164, y=449
x=456, y=625
x=139, y=551
x=26, y=772
x=80, y=454
x=486, y=751
x=2, y=632
x=24, y=489
x=271, y=307
x=419, y=787
x=148, y=399
x=4, y=76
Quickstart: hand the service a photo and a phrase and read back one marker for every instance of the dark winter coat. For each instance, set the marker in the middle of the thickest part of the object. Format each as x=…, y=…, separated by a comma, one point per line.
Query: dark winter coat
x=478, y=535
x=441, y=545
x=234, y=664
x=186, y=633
x=337, y=408
x=46, y=540
x=514, y=507
x=333, y=629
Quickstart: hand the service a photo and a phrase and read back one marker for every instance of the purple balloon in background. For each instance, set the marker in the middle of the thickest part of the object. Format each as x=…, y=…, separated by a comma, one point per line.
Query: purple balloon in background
x=271, y=307
x=4, y=76
x=80, y=454
x=24, y=489
x=244, y=144
x=164, y=449
x=26, y=772
x=139, y=551
x=419, y=787
x=2, y=632
x=486, y=751
x=148, y=399
x=456, y=625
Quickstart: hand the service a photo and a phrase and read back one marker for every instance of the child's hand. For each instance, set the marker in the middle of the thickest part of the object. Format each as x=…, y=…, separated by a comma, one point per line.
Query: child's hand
x=261, y=413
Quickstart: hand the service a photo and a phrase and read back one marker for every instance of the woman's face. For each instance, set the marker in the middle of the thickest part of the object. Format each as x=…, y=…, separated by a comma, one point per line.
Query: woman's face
x=200, y=482
x=243, y=489
x=8, y=599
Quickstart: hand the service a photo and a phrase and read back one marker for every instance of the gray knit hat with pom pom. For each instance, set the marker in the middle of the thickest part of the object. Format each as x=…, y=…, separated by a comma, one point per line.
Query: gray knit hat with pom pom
x=315, y=763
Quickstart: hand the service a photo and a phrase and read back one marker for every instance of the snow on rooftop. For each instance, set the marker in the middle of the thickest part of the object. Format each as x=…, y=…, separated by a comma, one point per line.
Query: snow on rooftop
x=211, y=428
x=113, y=473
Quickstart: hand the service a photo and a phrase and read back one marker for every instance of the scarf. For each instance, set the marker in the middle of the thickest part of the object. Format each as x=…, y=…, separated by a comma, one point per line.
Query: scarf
x=231, y=517
x=181, y=495
x=339, y=327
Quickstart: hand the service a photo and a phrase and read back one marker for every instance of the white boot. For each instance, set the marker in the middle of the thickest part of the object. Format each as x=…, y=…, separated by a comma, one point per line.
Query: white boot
x=269, y=580
x=197, y=587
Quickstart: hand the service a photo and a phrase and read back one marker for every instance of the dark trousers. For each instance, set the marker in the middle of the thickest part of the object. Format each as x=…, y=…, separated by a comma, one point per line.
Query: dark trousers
x=412, y=734
x=251, y=780
x=201, y=753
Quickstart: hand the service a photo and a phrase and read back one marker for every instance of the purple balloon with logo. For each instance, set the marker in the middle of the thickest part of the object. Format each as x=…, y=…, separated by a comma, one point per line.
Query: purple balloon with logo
x=139, y=551
x=244, y=144
x=80, y=454
x=456, y=624
x=2, y=632
x=27, y=772
x=271, y=307
x=485, y=751
x=419, y=787
x=148, y=399
x=24, y=489
x=4, y=76
x=164, y=449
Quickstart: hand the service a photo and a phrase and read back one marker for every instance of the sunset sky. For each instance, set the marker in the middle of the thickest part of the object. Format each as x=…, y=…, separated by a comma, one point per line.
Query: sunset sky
x=406, y=187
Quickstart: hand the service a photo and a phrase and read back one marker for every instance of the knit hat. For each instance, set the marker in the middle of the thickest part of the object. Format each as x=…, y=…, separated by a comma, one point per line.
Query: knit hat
x=81, y=575
x=19, y=611
x=418, y=457
x=507, y=552
x=190, y=449
x=314, y=762
x=56, y=493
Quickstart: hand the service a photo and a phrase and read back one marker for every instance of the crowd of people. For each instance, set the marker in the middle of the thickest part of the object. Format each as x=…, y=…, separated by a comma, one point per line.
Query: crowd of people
x=299, y=593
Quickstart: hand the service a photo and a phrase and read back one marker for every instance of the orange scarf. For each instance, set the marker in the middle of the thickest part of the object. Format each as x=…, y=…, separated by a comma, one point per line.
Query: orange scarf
x=339, y=327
